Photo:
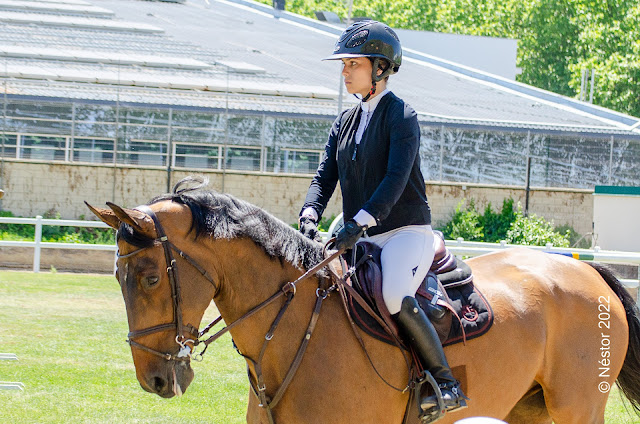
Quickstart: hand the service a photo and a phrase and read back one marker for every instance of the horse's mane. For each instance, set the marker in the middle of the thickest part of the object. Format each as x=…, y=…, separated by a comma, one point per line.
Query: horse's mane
x=223, y=216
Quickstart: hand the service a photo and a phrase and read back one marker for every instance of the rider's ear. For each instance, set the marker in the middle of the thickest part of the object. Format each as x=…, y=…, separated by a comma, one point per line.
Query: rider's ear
x=106, y=215
x=140, y=221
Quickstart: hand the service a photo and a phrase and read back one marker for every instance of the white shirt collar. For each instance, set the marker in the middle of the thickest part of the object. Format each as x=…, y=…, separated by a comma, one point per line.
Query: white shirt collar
x=370, y=106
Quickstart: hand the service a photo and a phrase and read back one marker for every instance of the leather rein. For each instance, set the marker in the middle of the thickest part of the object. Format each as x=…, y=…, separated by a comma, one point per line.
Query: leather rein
x=186, y=352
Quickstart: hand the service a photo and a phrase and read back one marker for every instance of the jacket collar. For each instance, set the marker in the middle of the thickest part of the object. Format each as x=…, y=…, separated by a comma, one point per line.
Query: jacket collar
x=370, y=106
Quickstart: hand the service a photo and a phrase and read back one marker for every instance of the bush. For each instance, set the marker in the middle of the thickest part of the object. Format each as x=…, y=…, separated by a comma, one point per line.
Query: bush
x=465, y=223
x=496, y=225
x=509, y=224
x=323, y=225
x=535, y=231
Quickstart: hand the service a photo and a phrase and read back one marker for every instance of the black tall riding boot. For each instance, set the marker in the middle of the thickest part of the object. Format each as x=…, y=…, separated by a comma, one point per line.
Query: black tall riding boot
x=423, y=337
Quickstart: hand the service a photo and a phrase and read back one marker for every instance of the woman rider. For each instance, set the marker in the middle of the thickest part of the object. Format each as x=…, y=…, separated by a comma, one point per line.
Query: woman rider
x=373, y=150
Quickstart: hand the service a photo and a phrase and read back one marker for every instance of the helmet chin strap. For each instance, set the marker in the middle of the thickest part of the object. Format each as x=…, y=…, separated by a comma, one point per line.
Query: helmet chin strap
x=371, y=92
x=374, y=79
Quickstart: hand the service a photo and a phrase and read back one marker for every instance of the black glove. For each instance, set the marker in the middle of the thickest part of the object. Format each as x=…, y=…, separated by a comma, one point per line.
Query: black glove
x=309, y=228
x=349, y=235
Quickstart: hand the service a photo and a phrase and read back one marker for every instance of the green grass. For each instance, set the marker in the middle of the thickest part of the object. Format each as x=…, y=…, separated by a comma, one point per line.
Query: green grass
x=68, y=331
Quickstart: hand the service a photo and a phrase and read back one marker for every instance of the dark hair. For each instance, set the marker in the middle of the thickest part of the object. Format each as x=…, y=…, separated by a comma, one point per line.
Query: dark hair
x=383, y=65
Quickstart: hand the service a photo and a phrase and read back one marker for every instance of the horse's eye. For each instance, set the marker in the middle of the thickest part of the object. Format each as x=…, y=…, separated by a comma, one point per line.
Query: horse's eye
x=150, y=281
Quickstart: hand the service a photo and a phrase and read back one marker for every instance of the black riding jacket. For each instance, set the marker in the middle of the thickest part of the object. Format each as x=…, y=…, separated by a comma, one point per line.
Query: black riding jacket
x=380, y=175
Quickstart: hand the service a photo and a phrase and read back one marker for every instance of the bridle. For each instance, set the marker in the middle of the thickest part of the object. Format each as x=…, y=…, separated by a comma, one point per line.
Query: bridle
x=184, y=354
x=288, y=290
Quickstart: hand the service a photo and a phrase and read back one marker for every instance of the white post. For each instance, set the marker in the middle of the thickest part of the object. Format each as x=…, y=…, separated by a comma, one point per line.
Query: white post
x=38, y=240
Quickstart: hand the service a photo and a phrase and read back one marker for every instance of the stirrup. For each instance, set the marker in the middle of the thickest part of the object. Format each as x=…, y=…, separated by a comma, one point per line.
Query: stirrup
x=448, y=398
x=438, y=411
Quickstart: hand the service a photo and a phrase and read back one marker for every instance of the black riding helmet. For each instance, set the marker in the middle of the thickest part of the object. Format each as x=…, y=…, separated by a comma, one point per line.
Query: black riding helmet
x=374, y=40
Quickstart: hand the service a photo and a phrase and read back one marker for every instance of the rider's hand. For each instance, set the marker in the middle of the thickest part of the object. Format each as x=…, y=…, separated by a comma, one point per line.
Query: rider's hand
x=309, y=228
x=349, y=235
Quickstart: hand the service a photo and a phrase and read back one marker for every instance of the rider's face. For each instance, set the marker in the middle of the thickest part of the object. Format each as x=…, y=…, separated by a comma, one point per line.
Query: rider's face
x=357, y=75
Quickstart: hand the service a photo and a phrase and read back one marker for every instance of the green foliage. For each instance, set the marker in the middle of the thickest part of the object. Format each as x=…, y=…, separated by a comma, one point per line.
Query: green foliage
x=535, y=231
x=323, y=225
x=509, y=224
x=465, y=223
x=575, y=239
x=55, y=233
x=556, y=39
x=496, y=225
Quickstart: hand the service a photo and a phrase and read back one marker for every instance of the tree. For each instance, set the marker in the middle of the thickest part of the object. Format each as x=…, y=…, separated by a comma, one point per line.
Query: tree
x=557, y=38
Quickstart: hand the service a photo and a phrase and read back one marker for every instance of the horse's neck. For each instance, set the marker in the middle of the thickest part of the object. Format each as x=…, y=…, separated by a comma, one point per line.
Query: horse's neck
x=333, y=346
x=249, y=278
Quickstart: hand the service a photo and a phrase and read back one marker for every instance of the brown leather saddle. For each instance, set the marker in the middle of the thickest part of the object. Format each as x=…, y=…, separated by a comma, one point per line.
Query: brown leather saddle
x=454, y=305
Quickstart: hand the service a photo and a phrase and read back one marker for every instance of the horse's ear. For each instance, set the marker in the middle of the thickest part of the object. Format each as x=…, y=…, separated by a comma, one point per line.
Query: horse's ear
x=140, y=221
x=106, y=215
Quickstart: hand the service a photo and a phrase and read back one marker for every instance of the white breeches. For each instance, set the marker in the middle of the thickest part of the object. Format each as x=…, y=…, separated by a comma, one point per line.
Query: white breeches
x=407, y=254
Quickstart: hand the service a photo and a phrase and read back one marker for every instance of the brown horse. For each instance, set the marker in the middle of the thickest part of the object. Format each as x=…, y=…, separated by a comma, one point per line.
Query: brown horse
x=563, y=331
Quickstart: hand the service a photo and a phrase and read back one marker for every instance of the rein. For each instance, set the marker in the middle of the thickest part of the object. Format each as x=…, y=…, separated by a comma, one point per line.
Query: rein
x=258, y=386
x=186, y=352
x=288, y=290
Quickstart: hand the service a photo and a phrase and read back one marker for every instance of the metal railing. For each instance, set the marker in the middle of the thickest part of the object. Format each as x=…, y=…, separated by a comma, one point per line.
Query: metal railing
x=10, y=385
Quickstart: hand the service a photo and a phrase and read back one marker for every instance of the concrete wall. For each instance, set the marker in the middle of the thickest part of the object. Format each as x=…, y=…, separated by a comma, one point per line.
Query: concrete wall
x=64, y=260
x=564, y=206
x=34, y=188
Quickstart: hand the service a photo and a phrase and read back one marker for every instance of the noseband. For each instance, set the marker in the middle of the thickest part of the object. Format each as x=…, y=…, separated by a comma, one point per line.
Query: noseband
x=184, y=354
x=288, y=290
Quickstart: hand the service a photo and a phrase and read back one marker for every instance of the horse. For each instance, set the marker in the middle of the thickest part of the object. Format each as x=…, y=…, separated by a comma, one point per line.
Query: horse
x=564, y=331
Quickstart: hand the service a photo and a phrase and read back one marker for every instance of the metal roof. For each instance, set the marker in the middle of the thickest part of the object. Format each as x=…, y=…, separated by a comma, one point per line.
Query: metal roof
x=271, y=62
x=54, y=7
x=77, y=55
x=77, y=22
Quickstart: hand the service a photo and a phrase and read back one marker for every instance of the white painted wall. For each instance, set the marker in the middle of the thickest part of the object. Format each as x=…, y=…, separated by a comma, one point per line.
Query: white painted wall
x=616, y=221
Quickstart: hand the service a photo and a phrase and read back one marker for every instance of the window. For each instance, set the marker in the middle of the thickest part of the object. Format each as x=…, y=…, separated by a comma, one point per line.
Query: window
x=8, y=144
x=300, y=161
x=243, y=158
x=93, y=150
x=42, y=147
x=197, y=156
x=146, y=153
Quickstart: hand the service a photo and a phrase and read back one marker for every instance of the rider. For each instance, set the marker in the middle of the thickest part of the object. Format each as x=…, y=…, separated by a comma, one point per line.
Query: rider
x=373, y=150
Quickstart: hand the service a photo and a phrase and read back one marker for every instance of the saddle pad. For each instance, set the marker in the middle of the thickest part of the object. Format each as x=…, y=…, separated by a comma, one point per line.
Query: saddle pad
x=468, y=302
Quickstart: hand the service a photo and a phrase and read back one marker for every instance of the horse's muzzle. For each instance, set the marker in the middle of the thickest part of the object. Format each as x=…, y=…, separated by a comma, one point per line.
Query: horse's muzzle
x=171, y=381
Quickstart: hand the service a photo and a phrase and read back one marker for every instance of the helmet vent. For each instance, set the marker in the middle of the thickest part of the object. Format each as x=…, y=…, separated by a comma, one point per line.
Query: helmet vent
x=358, y=39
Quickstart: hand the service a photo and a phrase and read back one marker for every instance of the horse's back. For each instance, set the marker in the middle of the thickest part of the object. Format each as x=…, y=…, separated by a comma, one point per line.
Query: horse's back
x=554, y=318
x=519, y=272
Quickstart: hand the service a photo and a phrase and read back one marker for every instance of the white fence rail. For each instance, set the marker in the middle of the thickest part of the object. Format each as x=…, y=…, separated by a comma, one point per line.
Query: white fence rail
x=38, y=244
x=458, y=247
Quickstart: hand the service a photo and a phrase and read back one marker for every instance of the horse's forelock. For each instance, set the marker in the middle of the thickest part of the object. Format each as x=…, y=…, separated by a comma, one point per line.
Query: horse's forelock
x=132, y=237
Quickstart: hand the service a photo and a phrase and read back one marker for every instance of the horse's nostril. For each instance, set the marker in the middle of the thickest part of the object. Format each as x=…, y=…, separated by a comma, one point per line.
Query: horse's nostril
x=159, y=384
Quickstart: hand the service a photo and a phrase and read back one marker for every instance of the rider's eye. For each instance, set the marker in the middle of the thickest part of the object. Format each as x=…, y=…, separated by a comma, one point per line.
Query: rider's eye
x=150, y=281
